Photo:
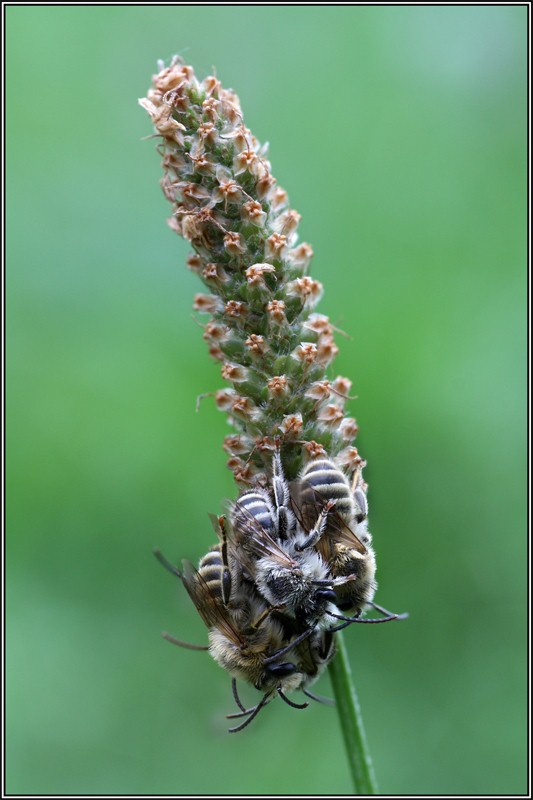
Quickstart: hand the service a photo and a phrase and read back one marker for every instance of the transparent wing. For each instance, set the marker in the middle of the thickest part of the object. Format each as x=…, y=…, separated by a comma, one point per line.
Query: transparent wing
x=307, y=504
x=208, y=605
x=306, y=658
x=249, y=537
x=215, y=522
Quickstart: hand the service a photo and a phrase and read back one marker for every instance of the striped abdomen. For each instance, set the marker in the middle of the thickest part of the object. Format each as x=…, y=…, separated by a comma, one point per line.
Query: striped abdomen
x=257, y=505
x=328, y=480
x=211, y=568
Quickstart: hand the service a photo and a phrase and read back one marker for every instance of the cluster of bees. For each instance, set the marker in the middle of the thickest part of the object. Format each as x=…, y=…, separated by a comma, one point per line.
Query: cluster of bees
x=294, y=564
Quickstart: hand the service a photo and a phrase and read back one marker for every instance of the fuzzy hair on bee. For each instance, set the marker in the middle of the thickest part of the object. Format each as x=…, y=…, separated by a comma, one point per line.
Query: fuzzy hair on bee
x=286, y=573
x=345, y=542
x=245, y=637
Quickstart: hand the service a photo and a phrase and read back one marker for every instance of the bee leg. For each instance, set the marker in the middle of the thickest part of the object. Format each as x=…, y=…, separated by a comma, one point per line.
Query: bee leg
x=318, y=698
x=318, y=529
x=281, y=497
x=253, y=714
x=225, y=582
x=290, y=703
x=167, y=565
x=288, y=647
x=326, y=646
x=236, y=694
x=242, y=713
x=359, y=497
x=261, y=618
x=179, y=643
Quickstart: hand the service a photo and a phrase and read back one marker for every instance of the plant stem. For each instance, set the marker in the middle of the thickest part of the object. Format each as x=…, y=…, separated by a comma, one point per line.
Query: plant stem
x=351, y=721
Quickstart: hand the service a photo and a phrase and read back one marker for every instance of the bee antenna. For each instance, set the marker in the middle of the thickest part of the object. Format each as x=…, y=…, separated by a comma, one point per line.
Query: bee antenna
x=385, y=612
x=290, y=703
x=253, y=714
x=167, y=565
x=292, y=644
x=179, y=643
x=351, y=620
x=236, y=694
x=324, y=700
x=242, y=713
x=339, y=627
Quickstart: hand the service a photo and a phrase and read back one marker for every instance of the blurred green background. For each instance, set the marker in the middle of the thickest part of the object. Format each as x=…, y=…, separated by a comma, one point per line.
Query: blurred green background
x=399, y=133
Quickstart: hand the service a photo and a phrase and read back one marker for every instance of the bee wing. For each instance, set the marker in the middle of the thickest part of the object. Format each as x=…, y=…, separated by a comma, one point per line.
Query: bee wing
x=343, y=534
x=250, y=536
x=306, y=659
x=307, y=504
x=215, y=522
x=212, y=611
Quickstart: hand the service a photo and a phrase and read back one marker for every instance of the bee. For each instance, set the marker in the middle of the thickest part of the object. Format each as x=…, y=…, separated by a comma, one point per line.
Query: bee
x=343, y=540
x=291, y=577
x=272, y=513
x=311, y=655
x=244, y=637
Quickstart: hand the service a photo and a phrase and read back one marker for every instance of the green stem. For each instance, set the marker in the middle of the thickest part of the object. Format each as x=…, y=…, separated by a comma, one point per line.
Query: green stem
x=351, y=721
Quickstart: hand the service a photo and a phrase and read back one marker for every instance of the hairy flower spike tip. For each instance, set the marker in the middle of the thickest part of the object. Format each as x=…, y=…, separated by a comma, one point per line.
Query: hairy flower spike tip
x=292, y=426
x=273, y=347
x=206, y=303
x=287, y=222
x=279, y=199
x=253, y=212
x=233, y=243
x=331, y=415
x=320, y=390
x=256, y=344
x=255, y=273
x=318, y=323
x=327, y=350
x=234, y=372
x=266, y=443
x=306, y=289
x=215, y=351
x=314, y=450
x=278, y=386
x=306, y=352
x=234, y=308
x=342, y=386
x=225, y=398
x=276, y=310
x=349, y=459
x=348, y=429
x=301, y=256
x=195, y=263
x=244, y=408
x=237, y=445
x=276, y=245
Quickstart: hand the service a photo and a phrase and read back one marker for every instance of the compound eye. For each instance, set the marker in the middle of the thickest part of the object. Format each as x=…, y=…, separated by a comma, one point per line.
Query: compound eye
x=326, y=594
x=280, y=670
